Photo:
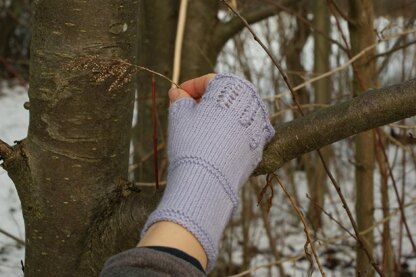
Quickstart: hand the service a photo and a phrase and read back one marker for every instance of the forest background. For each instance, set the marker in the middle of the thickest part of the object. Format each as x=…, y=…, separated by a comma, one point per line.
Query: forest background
x=336, y=76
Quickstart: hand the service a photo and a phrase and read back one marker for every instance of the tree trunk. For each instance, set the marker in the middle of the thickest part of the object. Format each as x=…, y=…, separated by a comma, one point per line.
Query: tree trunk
x=320, y=128
x=292, y=51
x=388, y=254
x=362, y=35
x=71, y=171
x=322, y=52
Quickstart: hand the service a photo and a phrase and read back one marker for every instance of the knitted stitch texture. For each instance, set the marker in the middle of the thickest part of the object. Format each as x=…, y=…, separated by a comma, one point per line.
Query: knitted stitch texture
x=213, y=147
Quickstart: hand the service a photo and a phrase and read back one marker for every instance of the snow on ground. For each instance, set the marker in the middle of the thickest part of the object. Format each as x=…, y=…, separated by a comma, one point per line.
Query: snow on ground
x=14, y=120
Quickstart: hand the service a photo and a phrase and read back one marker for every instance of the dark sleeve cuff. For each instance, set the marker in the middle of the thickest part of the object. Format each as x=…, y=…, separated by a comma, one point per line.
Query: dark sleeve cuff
x=180, y=254
x=146, y=261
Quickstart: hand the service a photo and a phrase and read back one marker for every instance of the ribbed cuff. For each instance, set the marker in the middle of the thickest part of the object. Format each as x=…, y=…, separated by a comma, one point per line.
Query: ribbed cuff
x=198, y=198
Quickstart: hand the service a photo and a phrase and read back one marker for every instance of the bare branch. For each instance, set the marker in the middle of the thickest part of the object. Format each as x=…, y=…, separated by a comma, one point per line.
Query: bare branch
x=16, y=239
x=322, y=243
x=306, y=22
x=179, y=41
x=345, y=65
x=340, y=12
x=305, y=228
x=372, y=109
x=235, y=25
x=5, y=150
x=396, y=191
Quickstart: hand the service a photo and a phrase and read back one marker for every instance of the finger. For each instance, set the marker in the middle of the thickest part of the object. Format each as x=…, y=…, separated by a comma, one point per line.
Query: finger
x=177, y=93
x=196, y=87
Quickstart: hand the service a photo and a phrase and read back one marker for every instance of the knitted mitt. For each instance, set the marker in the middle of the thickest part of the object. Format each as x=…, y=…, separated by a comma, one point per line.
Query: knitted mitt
x=213, y=147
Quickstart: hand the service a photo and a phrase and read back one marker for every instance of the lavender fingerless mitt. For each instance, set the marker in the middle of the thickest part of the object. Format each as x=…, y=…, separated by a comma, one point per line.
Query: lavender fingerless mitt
x=213, y=147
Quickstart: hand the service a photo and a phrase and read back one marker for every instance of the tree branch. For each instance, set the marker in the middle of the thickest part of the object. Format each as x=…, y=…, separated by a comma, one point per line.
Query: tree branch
x=5, y=150
x=370, y=110
x=16, y=239
x=229, y=29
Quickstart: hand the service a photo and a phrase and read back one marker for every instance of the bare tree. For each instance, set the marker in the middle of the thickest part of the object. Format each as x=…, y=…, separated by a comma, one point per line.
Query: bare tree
x=322, y=90
x=362, y=35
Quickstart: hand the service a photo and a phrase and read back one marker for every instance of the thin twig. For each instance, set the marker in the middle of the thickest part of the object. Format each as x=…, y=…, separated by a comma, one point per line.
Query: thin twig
x=145, y=157
x=393, y=49
x=341, y=13
x=323, y=243
x=263, y=191
x=346, y=207
x=350, y=216
x=311, y=105
x=5, y=150
x=144, y=184
x=278, y=262
x=154, y=123
x=13, y=71
x=255, y=182
x=305, y=225
x=148, y=70
x=331, y=217
x=102, y=68
x=403, y=194
x=179, y=40
x=402, y=126
x=343, y=66
x=16, y=239
x=305, y=21
x=344, y=39
x=331, y=177
x=399, y=201
x=398, y=42
x=275, y=62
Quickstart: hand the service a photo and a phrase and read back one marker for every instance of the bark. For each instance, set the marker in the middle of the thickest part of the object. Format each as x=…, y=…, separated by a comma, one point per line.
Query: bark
x=372, y=109
x=362, y=35
x=71, y=171
x=246, y=215
x=322, y=52
x=388, y=8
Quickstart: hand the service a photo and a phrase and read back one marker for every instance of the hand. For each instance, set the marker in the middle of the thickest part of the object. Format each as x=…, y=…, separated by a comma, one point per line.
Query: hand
x=218, y=126
x=194, y=88
x=169, y=234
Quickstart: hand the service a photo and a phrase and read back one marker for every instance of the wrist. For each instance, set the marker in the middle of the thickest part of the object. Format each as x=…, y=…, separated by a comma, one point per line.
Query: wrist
x=170, y=234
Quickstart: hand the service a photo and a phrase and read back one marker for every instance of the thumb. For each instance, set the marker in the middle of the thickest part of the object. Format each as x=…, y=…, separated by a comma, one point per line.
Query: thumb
x=177, y=93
